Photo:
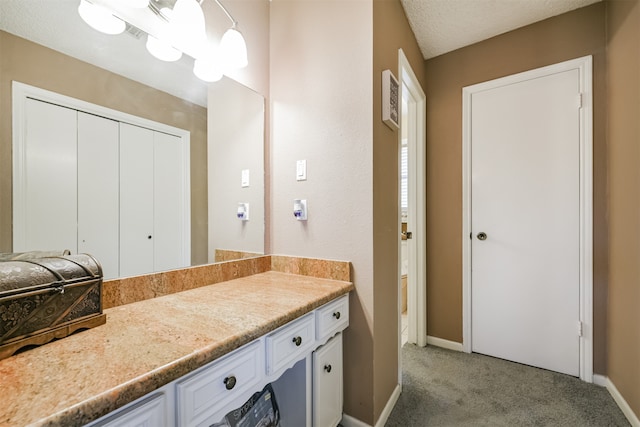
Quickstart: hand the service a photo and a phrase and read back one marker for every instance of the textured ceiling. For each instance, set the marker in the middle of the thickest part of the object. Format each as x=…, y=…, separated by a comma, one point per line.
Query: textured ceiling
x=442, y=26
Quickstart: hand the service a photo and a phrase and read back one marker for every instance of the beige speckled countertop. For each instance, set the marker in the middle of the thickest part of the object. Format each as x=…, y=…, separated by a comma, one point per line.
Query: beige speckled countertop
x=148, y=344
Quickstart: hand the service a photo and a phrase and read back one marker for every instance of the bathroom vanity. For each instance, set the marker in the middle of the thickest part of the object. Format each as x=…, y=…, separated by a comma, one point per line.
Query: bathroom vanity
x=188, y=358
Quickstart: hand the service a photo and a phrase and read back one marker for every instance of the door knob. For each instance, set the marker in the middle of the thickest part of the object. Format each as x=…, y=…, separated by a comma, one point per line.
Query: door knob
x=482, y=236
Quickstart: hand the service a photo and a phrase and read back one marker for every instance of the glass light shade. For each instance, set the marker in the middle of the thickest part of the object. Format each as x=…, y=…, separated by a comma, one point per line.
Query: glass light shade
x=233, y=49
x=100, y=18
x=187, y=23
x=138, y=4
x=133, y=4
x=162, y=50
x=207, y=69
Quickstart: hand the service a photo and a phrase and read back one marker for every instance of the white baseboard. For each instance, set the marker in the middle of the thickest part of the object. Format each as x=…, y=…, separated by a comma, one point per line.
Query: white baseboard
x=384, y=416
x=622, y=404
x=348, y=421
x=439, y=342
x=600, y=380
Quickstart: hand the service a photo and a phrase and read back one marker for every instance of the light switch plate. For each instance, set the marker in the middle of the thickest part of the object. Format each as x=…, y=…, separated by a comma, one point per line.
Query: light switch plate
x=301, y=170
x=245, y=178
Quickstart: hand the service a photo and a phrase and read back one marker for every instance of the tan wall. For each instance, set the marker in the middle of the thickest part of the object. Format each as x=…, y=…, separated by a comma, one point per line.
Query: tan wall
x=38, y=66
x=623, y=137
x=571, y=35
x=391, y=31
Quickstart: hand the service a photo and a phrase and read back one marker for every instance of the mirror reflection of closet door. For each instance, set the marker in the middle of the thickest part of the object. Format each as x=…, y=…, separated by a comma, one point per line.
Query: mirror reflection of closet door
x=136, y=200
x=98, y=190
x=152, y=218
x=45, y=176
x=169, y=212
x=70, y=173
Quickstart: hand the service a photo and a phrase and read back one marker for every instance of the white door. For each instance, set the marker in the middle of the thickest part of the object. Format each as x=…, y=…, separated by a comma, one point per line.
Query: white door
x=45, y=194
x=525, y=186
x=136, y=200
x=169, y=209
x=98, y=191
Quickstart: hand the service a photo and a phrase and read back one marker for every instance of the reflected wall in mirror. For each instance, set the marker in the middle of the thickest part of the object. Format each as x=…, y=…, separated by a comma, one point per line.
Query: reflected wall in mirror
x=45, y=44
x=236, y=172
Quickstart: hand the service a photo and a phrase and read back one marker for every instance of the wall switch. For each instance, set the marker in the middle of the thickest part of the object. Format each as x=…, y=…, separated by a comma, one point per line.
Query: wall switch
x=301, y=170
x=245, y=178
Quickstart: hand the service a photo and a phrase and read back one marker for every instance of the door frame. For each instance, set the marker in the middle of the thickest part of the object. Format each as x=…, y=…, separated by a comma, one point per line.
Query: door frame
x=585, y=66
x=416, y=289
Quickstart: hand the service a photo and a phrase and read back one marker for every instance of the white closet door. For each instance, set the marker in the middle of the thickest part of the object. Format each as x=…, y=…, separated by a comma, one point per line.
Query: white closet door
x=169, y=175
x=45, y=214
x=136, y=200
x=98, y=188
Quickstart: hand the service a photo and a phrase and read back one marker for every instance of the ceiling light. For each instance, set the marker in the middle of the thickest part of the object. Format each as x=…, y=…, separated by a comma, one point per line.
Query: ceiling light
x=162, y=50
x=100, y=18
x=233, y=49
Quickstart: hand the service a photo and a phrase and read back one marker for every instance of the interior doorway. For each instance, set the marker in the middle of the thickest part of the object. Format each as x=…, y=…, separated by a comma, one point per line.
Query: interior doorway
x=412, y=305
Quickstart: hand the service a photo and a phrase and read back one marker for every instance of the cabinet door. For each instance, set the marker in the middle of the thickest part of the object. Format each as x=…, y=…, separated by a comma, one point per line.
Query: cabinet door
x=136, y=200
x=45, y=194
x=151, y=412
x=327, y=383
x=169, y=203
x=98, y=225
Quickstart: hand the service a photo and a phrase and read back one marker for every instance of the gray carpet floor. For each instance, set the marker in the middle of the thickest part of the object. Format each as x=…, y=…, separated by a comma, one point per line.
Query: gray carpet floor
x=448, y=388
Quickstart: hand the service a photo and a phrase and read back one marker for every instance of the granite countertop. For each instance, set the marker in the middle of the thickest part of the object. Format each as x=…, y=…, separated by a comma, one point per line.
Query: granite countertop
x=148, y=344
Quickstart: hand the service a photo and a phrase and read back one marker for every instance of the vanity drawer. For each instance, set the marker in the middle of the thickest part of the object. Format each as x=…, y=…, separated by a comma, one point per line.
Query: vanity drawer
x=209, y=390
x=332, y=318
x=290, y=342
x=148, y=411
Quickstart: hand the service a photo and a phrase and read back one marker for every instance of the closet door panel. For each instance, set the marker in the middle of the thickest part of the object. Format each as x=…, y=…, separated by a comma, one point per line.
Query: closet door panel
x=136, y=200
x=98, y=191
x=169, y=175
x=45, y=213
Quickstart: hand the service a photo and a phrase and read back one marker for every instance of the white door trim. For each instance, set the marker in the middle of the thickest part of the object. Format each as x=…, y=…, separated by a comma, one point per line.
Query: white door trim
x=584, y=66
x=417, y=297
x=21, y=92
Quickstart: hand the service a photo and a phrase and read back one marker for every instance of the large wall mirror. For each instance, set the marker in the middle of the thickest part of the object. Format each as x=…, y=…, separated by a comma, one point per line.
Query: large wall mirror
x=45, y=44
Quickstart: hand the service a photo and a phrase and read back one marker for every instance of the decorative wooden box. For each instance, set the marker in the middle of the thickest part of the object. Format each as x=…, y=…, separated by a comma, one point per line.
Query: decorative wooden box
x=42, y=299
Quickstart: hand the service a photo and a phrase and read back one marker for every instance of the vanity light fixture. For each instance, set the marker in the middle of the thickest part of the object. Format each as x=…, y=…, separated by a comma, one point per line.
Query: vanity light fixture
x=162, y=50
x=182, y=29
x=100, y=18
x=136, y=4
x=207, y=69
x=186, y=25
x=233, y=48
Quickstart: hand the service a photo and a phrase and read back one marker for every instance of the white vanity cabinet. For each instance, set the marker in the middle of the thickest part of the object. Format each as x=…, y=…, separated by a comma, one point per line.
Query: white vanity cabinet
x=327, y=383
x=290, y=343
x=301, y=359
x=153, y=410
x=208, y=392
